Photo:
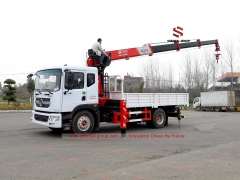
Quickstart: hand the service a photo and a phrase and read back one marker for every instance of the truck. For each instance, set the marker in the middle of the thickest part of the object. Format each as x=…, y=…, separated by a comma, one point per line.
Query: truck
x=215, y=100
x=80, y=98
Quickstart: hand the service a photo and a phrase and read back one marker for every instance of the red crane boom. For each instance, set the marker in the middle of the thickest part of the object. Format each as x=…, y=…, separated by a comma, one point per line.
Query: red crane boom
x=147, y=49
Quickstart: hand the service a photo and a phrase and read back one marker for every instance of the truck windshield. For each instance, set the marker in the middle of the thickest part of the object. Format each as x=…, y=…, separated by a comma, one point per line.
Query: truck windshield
x=196, y=100
x=48, y=80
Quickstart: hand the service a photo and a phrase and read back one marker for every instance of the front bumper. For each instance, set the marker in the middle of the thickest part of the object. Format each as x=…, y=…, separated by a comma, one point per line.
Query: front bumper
x=53, y=120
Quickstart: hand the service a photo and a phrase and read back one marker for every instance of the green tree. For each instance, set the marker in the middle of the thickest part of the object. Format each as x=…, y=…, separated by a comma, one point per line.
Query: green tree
x=141, y=87
x=10, y=93
x=130, y=90
x=0, y=86
x=30, y=86
x=136, y=90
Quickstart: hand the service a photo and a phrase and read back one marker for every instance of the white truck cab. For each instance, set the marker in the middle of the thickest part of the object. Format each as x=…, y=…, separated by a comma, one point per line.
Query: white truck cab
x=59, y=91
x=196, y=102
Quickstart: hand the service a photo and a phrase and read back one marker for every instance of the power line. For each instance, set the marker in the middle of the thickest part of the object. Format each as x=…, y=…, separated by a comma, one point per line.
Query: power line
x=12, y=74
x=18, y=65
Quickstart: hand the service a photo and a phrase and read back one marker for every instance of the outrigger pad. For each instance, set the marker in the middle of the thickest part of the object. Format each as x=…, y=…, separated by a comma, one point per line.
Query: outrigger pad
x=123, y=133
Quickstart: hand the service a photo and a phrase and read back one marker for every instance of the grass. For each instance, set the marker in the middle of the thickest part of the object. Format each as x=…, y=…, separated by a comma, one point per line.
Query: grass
x=23, y=100
x=14, y=107
x=190, y=108
x=18, y=100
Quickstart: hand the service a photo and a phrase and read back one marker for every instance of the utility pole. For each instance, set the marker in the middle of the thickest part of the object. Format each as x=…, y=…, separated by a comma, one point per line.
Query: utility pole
x=222, y=73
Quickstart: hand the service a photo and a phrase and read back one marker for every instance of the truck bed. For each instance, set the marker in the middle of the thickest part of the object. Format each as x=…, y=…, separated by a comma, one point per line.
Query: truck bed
x=151, y=99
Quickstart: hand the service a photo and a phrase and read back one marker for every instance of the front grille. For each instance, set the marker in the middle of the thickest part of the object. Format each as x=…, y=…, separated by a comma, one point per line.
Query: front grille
x=42, y=118
x=42, y=102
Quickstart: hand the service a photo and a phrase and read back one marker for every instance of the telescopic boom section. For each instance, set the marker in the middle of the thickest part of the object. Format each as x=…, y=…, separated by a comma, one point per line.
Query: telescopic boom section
x=148, y=49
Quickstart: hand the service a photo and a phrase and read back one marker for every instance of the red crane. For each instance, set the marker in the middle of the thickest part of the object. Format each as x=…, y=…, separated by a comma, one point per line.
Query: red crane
x=147, y=49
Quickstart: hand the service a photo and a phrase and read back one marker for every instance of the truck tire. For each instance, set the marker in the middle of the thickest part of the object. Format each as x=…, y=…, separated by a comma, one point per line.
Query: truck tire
x=58, y=130
x=159, y=119
x=198, y=108
x=218, y=109
x=83, y=122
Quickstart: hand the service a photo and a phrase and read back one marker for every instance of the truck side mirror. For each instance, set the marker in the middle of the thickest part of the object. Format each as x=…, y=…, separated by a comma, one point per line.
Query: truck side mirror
x=30, y=75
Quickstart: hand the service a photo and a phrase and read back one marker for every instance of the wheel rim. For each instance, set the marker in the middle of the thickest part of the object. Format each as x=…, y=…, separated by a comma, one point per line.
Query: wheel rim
x=83, y=123
x=159, y=118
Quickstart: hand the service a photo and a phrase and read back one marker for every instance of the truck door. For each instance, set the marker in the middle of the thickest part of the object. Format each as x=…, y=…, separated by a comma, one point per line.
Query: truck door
x=92, y=87
x=76, y=96
x=196, y=102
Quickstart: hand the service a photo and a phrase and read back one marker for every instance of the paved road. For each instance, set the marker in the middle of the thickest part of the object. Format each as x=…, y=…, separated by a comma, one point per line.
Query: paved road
x=207, y=146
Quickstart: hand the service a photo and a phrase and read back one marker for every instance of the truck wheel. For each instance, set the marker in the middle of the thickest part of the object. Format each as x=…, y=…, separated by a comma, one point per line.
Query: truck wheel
x=58, y=130
x=83, y=122
x=198, y=108
x=218, y=109
x=159, y=119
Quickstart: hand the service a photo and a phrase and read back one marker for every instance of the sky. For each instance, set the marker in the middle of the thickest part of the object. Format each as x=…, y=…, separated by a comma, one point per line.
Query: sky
x=36, y=34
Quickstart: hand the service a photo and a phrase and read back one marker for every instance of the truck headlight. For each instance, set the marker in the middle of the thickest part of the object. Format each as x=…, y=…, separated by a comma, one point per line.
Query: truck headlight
x=54, y=118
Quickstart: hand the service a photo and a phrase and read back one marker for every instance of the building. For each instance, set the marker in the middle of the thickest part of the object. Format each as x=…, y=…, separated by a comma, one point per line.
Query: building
x=223, y=83
x=132, y=84
x=227, y=77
